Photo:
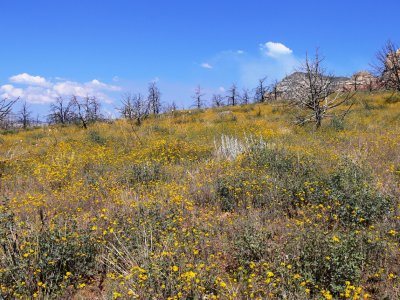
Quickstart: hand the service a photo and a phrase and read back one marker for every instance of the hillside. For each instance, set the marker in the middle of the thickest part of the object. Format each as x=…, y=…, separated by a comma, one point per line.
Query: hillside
x=227, y=203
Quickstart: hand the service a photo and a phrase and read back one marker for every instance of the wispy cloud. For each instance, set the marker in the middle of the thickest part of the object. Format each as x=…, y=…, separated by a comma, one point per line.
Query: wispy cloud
x=37, y=89
x=271, y=59
x=206, y=66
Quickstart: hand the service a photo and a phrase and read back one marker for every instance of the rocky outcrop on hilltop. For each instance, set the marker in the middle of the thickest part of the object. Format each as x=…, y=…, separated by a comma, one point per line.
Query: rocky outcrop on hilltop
x=362, y=81
x=286, y=87
x=359, y=81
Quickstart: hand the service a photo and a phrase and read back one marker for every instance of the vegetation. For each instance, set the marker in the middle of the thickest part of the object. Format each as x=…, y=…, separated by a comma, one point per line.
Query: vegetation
x=225, y=203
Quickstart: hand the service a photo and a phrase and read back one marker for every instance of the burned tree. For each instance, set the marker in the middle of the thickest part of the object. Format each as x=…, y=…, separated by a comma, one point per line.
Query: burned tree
x=198, y=98
x=154, y=98
x=134, y=108
x=61, y=111
x=5, y=109
x=80, y=111
x=355, y=81
x=317, y=91
x=92, y=109
x=217, y=100
x=274, y=93
x=25, y=116
x=233, y=95
x=260, y=92
x=387, y=66
x=245, y=97
x=86, y=110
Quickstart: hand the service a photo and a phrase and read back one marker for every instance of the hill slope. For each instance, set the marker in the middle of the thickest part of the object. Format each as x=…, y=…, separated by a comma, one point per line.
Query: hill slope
x=230, y=203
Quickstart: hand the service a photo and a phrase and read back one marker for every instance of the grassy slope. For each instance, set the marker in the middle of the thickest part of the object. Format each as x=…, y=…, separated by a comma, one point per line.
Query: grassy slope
x=118, y=212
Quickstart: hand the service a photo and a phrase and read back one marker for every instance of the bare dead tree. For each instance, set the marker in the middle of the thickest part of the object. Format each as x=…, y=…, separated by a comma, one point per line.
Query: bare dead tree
x=92, y=109
x=126, y=110
x=245, y=98
x=233, y=95
x=79, y=110
x=25, y=116
x=86, y=109
x=387, y=66
x=198, y=97
x=217, y=100
x=274, y=93
x=154, y=98
x=316, y=91
x=170, y=108
x=61, y=111
x=372, y=84
x=260, y=92
x=355, y=79
x=5, y=108
x=134, y=108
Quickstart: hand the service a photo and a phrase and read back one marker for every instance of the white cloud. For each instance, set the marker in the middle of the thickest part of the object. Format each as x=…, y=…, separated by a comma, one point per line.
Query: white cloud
x=221, y=89
x=70, y=88
x=239, y=51
x=36, y=89
x=27, y=79
x=206, y=66
x=9, y=91
x=273, y=49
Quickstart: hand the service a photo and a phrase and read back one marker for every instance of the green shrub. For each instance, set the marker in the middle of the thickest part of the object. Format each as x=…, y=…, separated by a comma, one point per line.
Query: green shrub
x=158, y=129
x=44, y=263
x=96, y=138
x=277, y=161
x=359, y=202
x=229, y=192
x=250, y=241
x=337, y=123
x=329, y=260
x=9, y=131
x=143, y=173
x=349, y=190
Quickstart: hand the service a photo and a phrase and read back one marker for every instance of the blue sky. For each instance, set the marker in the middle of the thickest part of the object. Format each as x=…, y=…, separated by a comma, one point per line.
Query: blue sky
x=106, y=48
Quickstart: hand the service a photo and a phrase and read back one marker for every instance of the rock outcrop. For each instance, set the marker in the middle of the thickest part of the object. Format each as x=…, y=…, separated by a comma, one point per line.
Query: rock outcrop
x=359, y=81
x=285, y=88
x=362, y=81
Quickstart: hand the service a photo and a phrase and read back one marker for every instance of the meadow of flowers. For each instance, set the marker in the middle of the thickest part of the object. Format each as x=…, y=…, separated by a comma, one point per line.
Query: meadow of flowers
x=227, y=203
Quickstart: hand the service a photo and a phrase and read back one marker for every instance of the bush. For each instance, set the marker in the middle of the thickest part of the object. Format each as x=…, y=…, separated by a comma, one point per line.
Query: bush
x=249, y=241
x=337, y=124
x=229, y=192
x=359, y=203
x=143, y=173
x=44, y=263
x=96, y=138
x=348, y=191
x=330, y=260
